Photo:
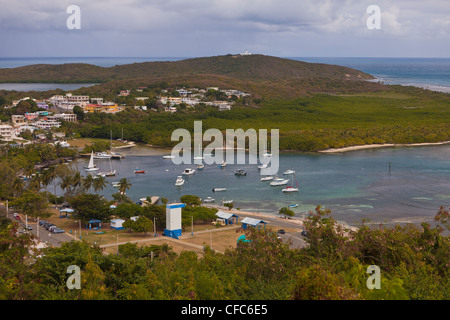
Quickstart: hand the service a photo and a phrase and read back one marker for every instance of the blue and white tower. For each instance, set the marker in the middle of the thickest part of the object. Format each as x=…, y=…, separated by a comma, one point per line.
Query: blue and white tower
x=173, y=220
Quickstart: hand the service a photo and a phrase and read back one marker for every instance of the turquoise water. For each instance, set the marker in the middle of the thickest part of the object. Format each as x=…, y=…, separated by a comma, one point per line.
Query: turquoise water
x=354, y=185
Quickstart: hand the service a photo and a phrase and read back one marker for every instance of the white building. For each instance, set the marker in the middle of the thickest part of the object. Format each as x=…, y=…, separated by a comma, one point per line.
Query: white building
x=69, y=101
x=69, y=117
x=47, y=124
x=6, y=132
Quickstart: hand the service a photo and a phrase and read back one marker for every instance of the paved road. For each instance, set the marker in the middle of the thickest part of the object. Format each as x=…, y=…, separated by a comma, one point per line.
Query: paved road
x=295, y=239
x=45, y=236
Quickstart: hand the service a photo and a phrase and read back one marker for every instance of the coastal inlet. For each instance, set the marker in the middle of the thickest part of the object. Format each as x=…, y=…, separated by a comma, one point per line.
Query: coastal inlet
x=403, y=184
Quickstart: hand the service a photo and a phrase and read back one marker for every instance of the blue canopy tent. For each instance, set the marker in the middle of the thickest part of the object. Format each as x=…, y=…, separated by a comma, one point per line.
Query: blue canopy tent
x=93, y=222
x=64, y=213
x=228, y=217
x=251, y=222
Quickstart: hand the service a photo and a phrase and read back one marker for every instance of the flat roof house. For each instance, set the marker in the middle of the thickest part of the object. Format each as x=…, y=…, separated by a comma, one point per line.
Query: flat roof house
x=228, y=217
x=252, y=222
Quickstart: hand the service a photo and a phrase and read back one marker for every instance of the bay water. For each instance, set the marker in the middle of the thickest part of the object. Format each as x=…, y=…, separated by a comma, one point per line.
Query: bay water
x=387, y=185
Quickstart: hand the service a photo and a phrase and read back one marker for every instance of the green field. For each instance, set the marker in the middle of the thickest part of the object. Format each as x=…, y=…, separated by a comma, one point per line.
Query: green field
x=401, y=115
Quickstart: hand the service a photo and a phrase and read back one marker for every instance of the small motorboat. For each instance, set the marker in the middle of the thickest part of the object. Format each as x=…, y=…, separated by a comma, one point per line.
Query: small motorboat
x=290, y=171
x=168, y=157
x=139, y=171
x=219, y=189
x=200, y=166
x=263, y=166
x=102, y=155
x=293, y=205
x=209, y=199
x=179, y=182
x=222, y=165
x=227, y=201
x=188, y=172
x=267, y=178
x=240, y=172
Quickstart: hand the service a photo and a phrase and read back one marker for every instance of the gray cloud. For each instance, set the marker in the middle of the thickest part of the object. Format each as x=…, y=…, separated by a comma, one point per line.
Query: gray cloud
x=204, y=27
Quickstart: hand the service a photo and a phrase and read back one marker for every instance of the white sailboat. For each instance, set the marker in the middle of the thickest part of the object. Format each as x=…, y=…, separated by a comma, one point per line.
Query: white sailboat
x=91, y=166
x=108, y=174
x=291, y=187
x=199, y=156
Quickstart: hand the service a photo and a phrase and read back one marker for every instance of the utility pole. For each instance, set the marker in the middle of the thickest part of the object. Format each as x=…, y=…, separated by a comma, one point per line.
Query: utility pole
x=192, y=225
x=37, y=228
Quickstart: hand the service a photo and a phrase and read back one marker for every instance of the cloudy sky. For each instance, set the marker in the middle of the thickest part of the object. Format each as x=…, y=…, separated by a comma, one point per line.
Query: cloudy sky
x=180, y=28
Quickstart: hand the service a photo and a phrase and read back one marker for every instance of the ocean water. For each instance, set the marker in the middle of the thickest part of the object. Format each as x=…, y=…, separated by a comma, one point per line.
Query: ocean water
x=354, y=185
x=43, y=86
x=431, y=73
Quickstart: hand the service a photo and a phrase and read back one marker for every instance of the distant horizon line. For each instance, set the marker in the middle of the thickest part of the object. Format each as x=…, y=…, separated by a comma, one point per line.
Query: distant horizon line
x=193, y=57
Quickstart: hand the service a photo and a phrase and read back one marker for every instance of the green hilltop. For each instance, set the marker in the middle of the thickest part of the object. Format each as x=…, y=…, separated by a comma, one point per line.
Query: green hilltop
x=253, y=68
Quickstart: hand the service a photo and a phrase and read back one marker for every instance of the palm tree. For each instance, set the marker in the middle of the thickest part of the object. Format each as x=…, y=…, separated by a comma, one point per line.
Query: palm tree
x=88, y=181
x=77, y=179
x=66, y=184
x=99, y=183
x=17, y=186
x=124, y=185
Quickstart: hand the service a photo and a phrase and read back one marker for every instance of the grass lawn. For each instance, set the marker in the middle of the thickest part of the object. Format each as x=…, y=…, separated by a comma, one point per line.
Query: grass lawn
x=82, y=142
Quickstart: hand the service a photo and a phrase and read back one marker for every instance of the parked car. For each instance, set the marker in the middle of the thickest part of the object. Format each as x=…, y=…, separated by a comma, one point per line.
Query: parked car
x=48, y=226
x=42, y=222
x=281, y=231
x=57, y=230
x=16, y=216
x=51, y=228
x=29, y=228
x=304, y=233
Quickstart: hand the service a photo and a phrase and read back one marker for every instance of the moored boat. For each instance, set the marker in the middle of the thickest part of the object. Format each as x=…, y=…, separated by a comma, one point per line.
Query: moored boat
x=279, y=182
x=188, y=172
x=179, y=182
x=240, y=172
x=102, y=155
